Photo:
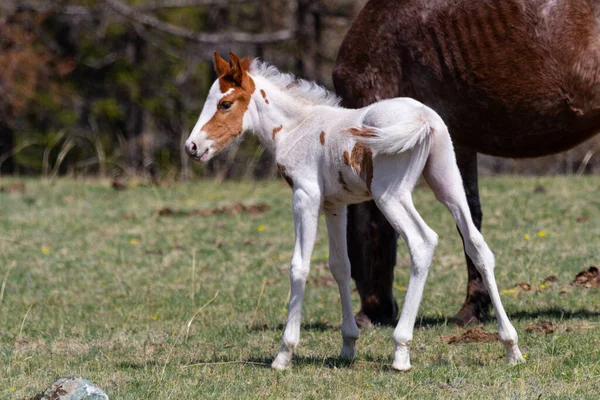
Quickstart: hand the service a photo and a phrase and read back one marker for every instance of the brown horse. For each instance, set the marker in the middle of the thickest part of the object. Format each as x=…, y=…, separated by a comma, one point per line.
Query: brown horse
x=511, y=78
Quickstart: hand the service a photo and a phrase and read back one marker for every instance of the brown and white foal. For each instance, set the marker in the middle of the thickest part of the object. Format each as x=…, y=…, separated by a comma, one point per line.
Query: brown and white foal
x=331, y=157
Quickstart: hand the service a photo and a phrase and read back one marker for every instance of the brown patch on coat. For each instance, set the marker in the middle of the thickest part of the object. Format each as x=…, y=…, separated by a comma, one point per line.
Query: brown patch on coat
x=346, y=158
x=287, y=178
x=361, y=161
x=474, y=335
x=343, y=182
x=225, y=125
x=362, y=131
x=322, y=137
x=276, y=131
x=264, y=95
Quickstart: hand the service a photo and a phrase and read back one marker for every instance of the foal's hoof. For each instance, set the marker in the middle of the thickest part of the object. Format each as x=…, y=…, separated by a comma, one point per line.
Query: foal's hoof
x=282, y=362
x=401, y=366
x=401, y=359
x=514, y=356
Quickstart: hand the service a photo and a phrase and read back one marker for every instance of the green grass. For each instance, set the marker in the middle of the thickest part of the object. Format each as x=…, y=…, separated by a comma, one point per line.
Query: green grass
x=98, y=284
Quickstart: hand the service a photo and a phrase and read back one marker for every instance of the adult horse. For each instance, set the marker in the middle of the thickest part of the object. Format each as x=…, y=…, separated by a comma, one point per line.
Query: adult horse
x=511, y=78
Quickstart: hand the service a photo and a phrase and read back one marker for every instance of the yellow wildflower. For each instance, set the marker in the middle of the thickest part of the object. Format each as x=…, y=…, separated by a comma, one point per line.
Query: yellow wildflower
x=133, y=242
x=45, y=250
x=526, y=236
x=541, y=233
x=261, y=228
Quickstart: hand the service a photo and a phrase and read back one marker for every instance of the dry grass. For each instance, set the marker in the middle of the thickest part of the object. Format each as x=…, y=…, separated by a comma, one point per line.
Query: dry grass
x=95, y=282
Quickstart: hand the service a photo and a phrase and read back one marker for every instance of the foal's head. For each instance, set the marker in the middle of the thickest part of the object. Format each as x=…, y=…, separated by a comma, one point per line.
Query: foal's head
x=224, y=116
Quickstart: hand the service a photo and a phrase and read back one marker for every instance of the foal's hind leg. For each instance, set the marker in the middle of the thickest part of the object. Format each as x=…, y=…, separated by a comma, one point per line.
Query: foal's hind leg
x=392, y=187
x=421, y=241
x=443, y=177
x=339, y=264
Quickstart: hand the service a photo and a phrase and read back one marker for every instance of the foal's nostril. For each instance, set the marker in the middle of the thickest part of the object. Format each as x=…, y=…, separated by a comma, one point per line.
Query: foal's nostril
x=191, y=148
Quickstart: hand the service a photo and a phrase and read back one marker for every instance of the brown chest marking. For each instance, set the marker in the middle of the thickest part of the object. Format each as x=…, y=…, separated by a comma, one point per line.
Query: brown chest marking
x=285, y=176
x=322, y=137
x=276, y=131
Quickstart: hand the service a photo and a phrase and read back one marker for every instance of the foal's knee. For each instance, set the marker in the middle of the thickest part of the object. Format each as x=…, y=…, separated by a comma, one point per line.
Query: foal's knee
x=340, y=270
x=479, y=252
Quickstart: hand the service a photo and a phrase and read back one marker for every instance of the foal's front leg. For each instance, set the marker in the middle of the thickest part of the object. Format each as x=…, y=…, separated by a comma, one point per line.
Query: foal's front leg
x=306, y=218
x=339, y=264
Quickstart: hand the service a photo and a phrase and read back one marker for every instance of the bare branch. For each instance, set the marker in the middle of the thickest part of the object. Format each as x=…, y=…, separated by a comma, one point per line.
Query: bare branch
x=200, y=37
x=159, y=4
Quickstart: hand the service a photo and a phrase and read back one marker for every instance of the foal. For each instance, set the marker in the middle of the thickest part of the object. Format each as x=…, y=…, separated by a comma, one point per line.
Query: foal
x=332, y=157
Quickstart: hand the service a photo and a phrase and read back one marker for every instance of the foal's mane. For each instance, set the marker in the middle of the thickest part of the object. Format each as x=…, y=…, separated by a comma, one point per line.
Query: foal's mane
x=312, y=92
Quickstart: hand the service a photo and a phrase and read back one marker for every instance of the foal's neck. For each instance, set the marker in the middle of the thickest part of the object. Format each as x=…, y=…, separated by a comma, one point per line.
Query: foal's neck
x=277, y=112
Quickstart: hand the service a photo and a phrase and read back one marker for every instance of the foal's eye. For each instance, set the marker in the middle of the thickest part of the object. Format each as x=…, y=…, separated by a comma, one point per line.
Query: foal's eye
x=226, y=105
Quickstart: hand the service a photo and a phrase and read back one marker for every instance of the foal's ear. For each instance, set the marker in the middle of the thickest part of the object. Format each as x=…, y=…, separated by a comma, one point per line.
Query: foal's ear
x=237, y=70
x=221, y=66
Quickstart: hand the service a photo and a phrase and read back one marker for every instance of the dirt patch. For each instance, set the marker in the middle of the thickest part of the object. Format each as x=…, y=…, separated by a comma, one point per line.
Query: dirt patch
x=321, y=281
x=526, y=287
x=589, y=278
x=542, y=327
x=551, y=279
x=238, y=208
x=474, y=335
x=14, y=187
x=118, y=185
x=539, y=189
x=582, y=219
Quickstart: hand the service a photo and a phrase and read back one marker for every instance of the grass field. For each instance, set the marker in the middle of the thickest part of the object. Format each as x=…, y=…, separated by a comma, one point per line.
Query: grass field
x=96, y=283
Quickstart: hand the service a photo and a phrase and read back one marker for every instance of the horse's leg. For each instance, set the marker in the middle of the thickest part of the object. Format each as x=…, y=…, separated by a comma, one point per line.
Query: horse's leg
x=372, y=245
x=477, y=302
x=421, y=241
x=443, y=176
x=340, y=269
x=306, y=217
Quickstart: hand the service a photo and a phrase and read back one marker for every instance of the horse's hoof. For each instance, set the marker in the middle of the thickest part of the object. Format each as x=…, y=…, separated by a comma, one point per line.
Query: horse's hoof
x=347, y=353
x=468, y=315
x=362, y=320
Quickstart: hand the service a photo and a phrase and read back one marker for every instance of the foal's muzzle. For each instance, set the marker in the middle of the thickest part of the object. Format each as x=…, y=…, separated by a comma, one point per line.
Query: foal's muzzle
x=191, y=149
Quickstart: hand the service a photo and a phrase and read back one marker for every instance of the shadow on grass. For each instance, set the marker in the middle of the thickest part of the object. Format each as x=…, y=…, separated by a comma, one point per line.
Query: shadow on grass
x=315, y=326
x=297, y=362
x=436, y=321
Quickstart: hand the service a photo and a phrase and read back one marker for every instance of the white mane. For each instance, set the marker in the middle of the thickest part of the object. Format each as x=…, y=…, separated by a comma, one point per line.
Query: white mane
x=306, y=90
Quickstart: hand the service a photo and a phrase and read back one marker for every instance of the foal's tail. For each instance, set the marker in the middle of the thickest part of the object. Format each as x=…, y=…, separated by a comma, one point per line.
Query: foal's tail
x=397, y=138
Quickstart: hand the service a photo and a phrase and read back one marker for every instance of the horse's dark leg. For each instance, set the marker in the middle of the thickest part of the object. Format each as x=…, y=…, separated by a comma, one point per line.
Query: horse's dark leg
x=372, y=251
x=477, y=303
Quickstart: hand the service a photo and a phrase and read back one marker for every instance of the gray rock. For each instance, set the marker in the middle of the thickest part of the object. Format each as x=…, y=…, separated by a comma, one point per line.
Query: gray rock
x=72, y=388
